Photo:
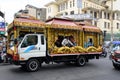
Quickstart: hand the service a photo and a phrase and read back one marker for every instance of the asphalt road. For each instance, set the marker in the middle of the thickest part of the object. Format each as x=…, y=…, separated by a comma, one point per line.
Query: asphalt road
x=101, y=69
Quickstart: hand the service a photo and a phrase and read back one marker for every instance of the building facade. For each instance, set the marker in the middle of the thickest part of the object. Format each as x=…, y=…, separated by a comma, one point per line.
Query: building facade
x=38, y=13
x=99, y=12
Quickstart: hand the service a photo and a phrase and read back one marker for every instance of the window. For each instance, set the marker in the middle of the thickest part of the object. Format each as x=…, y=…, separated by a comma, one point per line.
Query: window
x=49, y=10
x=117, y=25
x=73, y=3
x=108, y=25
x=113, y=16
x=58, y=8
x=91, y=12
x=66, y=5
x=66, y=13
x=101, y=14
x=42, y=40
x=84, y=4
x=117, y=16
x=85, y=12
x=61, y=7
x=104, y=15
x=72, y=12
x=39, y=14
x=108, y=16
x=95, y=14
x=105, y=24
x=30, y=40
x=95, y=23
x=70, y=4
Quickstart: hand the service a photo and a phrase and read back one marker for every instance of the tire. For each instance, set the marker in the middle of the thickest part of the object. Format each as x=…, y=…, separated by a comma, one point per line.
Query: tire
x=116, y=66
x=81, y=61
x=33, y=65
x=105, y=54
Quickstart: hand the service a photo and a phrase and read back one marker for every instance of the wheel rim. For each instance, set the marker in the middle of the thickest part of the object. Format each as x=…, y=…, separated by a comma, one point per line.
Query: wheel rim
x=81, y=61
x=33, y=65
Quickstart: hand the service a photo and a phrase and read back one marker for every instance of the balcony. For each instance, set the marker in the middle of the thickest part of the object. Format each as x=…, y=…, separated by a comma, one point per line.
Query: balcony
x=60, y=1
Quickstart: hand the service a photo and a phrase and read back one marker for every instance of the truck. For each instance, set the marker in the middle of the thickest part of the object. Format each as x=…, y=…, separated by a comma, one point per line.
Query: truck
x=38, y=43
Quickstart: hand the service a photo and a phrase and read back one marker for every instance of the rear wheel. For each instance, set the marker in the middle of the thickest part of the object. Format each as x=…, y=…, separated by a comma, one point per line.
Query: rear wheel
x=81, y=61
x=33, y=65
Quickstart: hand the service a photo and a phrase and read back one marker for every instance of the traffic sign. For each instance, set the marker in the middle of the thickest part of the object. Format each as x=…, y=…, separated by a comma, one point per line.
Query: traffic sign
x=2, y=24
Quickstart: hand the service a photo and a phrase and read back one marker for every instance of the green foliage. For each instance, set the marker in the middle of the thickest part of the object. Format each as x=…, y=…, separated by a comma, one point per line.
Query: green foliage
x=116, y=36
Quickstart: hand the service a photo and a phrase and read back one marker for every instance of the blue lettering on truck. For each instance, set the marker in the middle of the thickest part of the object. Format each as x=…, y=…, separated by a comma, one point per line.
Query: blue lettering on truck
x=29, y=49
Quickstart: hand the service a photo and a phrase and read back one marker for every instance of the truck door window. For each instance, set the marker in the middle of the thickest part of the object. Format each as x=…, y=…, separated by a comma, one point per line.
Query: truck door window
x=30, y=40
x=42, y=40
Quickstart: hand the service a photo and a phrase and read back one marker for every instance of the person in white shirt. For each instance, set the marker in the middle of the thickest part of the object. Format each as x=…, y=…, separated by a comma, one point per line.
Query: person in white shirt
x=67, y=42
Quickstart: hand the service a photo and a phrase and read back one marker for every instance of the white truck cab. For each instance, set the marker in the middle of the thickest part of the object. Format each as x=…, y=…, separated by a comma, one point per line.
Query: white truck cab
x=32, y=45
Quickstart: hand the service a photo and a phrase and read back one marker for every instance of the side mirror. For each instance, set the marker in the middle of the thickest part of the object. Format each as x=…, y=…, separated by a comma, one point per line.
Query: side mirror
x=15, y=41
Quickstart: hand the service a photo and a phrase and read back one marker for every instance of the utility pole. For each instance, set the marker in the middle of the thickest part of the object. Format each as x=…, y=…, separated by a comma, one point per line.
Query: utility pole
x=112, y=20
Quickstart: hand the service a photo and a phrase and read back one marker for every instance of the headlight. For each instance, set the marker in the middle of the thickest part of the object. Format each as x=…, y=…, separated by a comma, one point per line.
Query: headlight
x=113, y=54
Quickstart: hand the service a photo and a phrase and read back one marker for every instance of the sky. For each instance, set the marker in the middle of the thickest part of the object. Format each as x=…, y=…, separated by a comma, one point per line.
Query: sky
x=10, y=7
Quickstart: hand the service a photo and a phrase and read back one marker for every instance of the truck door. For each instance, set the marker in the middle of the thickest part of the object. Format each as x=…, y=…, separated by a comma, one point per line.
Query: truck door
x=31, y=46
x=42, y=45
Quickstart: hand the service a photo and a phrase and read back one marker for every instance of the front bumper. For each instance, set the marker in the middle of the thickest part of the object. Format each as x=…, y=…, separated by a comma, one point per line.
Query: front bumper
x=19, y=62
x=10, y=60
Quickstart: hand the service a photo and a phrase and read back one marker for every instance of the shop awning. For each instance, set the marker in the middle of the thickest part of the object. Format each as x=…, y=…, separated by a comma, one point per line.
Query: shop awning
x=62, y=24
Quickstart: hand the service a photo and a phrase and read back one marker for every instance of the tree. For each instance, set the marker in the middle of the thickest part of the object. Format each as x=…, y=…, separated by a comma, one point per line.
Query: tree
x=2, y=14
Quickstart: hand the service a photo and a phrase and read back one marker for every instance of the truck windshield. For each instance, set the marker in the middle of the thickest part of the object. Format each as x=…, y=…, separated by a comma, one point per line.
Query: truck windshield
x=30, y=40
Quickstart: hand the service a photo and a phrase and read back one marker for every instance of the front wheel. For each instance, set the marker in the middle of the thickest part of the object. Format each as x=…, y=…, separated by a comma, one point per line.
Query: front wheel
x=116, y=66
x=33, y=65
x=81, y=61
